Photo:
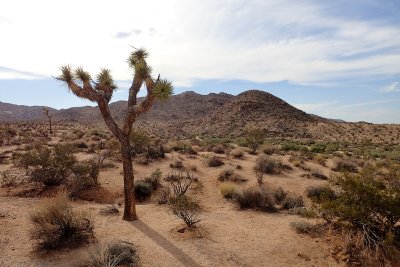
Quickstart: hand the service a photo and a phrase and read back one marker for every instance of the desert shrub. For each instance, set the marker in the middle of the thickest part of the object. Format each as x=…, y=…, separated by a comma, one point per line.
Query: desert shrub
x=143, y=190
x=177, y=164
x=259, y=177
x=320, y=193
x=257, y=199
x=306, y=228
x=162, y=195
x=186, y=209
x=47, y=166
x=154, y=179
x=237, y=153
x=318, y=174
x=85, y=176
x=56, y=224
x=367, y=206
x=214, y=162
x=109, y=210
x=303, y=212
x=291, y=146
x=317, y=148
x=345, y=166
x=332, y=147
x=268, y=165
x=218, y=149
x=114, y=254
x=228, y=190
x=320, y=159
x=230, y=175
x=140, y=140
x=180, y=181
x=269, y=149
x=279, y=194
x=292, y=201
x=254, y=138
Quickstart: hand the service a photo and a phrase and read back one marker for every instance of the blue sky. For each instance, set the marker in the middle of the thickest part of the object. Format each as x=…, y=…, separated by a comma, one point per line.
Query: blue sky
x=337, y=59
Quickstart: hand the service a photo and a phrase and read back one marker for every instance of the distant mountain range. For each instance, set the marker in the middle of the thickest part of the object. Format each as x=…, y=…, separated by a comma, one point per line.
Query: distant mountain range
x=222, y=114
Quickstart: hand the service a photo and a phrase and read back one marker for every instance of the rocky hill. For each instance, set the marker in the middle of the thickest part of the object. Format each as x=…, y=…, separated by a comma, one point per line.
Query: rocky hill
x=188, y=114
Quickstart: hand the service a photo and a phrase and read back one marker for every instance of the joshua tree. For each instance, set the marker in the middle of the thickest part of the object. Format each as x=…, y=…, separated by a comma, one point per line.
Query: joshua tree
x=101, y=91
x=47, y=114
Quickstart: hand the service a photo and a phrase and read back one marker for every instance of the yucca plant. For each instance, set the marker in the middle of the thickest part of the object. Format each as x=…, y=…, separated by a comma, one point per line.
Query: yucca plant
x=101, y=91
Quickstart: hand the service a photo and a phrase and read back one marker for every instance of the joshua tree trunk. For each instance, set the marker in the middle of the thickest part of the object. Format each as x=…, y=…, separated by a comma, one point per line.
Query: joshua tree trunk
x=101, y=91
x=129, y=190
x=46, y=112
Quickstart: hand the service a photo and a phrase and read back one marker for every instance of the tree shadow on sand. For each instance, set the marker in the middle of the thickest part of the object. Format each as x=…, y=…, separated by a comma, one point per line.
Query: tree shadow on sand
x=165, y=244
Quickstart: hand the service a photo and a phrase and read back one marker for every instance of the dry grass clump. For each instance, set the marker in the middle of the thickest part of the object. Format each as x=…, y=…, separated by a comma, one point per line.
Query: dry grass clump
x=228, y=190
x=162, y=195
x=306, y=228
x=114, y=254
x=176, y=164
x=256, y=198
x=269, y=149
x=320, y=159
x=218, y=149
x=214, y=162
x=268, y=165
x=237, y=153
x=56, y=224
x=343, y=165
x=292, y=201
x=230, y=175
x=109, y=210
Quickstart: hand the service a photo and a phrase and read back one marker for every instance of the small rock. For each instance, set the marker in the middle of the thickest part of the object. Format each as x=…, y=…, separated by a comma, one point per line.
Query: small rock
x=303, y=256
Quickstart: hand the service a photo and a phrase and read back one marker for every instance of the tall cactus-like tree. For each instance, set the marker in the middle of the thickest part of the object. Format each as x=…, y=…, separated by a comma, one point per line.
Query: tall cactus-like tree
x=101, y=91
x=47, y=114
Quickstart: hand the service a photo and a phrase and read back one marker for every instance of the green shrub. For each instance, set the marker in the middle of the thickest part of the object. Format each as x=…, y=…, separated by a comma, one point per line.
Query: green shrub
x=320, y=193
x=56, y=224
x=143, y=190
x=368, y=206
x=257, y=199
x=317, y=148
x=154, y=179
x=50, y=167
x=254, y=138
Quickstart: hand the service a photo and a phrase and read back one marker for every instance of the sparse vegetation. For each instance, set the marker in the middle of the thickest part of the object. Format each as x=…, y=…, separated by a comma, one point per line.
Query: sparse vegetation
x=56, y=224
x=230, y=175
x=186, y=209
x=117, y=253
x=228, y=190
x=257, y=199
x=268, y=165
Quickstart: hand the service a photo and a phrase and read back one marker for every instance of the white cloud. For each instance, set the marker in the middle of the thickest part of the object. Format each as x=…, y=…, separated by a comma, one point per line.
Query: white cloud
x=393, y=87
x=260, y=41
x=371, y=111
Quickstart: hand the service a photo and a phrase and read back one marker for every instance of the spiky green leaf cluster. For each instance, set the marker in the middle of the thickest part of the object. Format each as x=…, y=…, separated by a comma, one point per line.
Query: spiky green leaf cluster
x=137, y=56
x=105, y=80
x=66, y=74
x=82, y=75
x=142, y=70
x=163, y=89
